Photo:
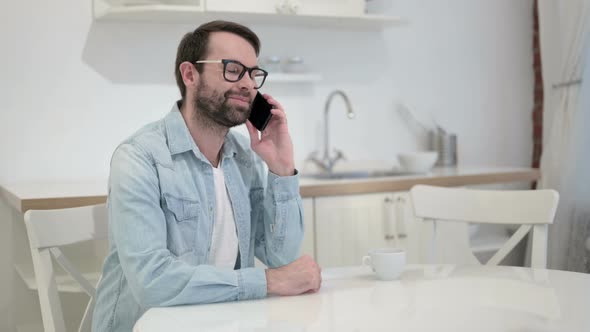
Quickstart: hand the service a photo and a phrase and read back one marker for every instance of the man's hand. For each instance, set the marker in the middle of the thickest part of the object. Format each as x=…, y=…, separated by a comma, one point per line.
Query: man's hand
x=301, y=276
x=274, y=146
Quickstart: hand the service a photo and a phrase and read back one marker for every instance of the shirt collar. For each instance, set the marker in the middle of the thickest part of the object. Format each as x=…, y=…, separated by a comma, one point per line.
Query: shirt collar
x=180, y=139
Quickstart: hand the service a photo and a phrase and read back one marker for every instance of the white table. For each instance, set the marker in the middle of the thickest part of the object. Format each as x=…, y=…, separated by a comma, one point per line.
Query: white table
x=426, y=298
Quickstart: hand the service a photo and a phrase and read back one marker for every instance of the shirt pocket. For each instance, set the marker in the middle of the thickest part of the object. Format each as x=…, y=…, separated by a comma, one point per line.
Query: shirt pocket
x=182, y=219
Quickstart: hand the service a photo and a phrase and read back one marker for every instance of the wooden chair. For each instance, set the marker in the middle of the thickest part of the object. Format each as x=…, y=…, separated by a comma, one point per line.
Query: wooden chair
x=48, y=230
x=534, y=210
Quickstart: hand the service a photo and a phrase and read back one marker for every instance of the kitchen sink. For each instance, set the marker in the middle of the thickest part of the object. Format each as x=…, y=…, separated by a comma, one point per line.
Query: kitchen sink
x=338, y=175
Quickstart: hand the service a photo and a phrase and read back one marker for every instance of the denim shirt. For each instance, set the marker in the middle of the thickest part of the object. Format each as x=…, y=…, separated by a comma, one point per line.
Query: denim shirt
x=161, y=213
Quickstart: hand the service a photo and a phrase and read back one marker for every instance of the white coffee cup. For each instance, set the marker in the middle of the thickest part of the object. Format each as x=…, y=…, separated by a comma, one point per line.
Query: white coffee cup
x=388, y=263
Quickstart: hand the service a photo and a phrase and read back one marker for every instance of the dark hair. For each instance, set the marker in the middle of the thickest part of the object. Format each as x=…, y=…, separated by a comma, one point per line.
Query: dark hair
x=193, y=46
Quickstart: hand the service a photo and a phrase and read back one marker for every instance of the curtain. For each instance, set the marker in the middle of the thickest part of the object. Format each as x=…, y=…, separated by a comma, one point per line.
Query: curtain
x=564, y=28
x=578, y=254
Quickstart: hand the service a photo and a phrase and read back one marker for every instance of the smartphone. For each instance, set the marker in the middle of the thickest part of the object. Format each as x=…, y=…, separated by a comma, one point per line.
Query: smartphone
x=260, y=115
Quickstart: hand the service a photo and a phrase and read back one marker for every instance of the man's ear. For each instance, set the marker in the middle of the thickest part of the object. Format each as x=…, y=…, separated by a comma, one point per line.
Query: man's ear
x=189, y=74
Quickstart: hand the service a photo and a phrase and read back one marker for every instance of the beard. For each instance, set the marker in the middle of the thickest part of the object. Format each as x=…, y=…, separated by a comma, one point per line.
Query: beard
x=215, y=108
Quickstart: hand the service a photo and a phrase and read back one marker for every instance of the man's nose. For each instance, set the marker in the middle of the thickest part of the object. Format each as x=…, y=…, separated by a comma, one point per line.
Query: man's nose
x=247, y=82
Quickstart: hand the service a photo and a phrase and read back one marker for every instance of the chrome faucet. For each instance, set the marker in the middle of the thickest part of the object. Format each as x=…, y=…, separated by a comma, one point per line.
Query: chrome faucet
x=326, y=163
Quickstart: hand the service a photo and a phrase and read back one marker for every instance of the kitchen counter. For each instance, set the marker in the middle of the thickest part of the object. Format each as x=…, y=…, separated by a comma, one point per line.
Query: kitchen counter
x=55, y=195
x=443, y=176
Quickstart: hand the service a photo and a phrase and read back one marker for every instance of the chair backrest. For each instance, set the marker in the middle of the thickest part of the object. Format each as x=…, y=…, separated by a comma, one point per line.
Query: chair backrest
x=48, y=230
x=532, y=209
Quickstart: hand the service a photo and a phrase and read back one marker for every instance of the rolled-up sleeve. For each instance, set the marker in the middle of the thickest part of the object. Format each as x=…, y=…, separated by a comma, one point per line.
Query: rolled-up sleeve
x=155, y=275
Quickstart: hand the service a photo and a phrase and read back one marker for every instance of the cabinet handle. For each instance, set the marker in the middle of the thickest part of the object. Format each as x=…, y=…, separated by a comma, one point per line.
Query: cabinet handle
x=394, y=218
x=389, y=222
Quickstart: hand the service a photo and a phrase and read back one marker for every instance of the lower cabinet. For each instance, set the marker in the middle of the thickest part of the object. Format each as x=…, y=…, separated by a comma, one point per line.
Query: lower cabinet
x=308, y=245
x=340, y=230
x=347, y=227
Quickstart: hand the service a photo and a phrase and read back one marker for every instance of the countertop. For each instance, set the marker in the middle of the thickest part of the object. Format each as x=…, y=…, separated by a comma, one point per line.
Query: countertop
x=55, y=195
x=443, y=176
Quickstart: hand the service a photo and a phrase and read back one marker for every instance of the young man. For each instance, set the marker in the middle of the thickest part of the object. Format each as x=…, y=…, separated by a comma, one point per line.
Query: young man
x=191, y=203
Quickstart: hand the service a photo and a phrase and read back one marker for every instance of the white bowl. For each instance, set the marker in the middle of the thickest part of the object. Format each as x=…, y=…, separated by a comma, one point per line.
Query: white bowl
x=417, y=162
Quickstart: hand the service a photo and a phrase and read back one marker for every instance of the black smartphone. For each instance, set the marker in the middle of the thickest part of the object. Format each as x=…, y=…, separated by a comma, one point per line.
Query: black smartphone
x=260, y=115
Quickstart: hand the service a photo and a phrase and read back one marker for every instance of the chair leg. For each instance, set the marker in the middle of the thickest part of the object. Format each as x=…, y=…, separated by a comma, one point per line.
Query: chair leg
x=539, y=247
x=86, y=323
x=51, y=312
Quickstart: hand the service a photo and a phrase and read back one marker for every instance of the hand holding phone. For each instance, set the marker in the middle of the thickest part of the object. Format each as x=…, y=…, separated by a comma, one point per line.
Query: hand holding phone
x=260, y=115
x=274, y=146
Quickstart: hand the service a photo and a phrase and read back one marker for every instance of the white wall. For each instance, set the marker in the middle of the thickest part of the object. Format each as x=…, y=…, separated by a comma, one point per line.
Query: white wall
x=72, y=88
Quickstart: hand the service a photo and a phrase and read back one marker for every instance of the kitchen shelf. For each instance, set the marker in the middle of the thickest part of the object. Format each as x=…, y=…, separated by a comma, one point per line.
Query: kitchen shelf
x=195, y=14
x=293, y=78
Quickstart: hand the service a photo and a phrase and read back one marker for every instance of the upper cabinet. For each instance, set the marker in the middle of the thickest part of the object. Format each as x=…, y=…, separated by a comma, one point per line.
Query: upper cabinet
x=290, y=7
x=317, y=13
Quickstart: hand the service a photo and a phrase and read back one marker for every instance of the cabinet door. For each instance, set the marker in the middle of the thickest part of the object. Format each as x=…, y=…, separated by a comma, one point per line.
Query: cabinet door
x=347, y=227
x=407, y=231
x=416, y=236
x=396, y=230
x=451, y=245
x=308, y=245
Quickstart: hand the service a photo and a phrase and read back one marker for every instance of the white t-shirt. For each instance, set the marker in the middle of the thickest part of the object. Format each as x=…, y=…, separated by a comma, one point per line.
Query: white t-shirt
x=224, y=242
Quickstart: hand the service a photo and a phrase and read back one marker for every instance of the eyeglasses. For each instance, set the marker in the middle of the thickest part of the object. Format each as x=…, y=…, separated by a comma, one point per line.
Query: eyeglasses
x=233, y=71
